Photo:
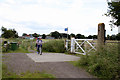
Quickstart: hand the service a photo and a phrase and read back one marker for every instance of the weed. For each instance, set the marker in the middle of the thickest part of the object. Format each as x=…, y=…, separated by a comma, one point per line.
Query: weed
x=103, y=62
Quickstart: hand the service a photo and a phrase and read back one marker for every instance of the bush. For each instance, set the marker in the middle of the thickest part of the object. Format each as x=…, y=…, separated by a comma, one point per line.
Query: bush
x=54, y=46
x=24, y=45
x=102, y=63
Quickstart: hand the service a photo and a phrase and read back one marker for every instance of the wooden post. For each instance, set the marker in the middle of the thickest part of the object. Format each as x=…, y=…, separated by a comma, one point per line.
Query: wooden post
x=101, y=34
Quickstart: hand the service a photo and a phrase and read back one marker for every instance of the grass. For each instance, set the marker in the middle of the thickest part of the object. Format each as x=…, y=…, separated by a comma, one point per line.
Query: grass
x=19, y=50
x=102, y=63
x=7, y=74
x=54, y=46
x=25, y=45
x=36, y=75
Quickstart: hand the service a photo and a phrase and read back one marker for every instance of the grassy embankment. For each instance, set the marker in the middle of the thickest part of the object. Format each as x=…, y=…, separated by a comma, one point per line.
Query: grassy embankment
x=103, y=63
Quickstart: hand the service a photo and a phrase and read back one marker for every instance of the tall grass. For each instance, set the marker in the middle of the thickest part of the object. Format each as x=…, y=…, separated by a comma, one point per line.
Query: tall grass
x=103, y=63
x=24, y=45
x=54, y=46
x=48, y=45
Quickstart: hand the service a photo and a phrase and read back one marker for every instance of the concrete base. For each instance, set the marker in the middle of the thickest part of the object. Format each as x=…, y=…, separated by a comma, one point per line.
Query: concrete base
x=52, y=57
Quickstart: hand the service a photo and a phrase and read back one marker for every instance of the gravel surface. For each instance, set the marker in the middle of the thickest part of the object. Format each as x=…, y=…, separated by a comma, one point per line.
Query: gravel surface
x=20, y=62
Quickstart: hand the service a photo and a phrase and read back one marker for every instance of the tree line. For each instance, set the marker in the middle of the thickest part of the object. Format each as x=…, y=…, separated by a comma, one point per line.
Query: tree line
x=9, y=33
x=12, y=33
x=58, y=35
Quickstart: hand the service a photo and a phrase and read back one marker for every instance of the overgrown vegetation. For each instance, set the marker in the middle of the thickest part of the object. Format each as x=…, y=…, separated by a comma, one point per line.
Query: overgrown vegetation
x=24, y=45
x=7, y=74
x=103, y=63
x=11, y=33
x=114, y=11
x=54, y=46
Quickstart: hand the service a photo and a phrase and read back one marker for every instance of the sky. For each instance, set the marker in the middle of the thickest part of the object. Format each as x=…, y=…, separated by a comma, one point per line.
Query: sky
x=45, y=16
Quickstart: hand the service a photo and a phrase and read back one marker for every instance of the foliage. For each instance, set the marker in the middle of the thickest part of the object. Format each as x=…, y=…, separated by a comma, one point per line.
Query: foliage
x=11, y=33
x=103, y=63
x=64, y=35
x=56, y=34
x=113, y=37
x=35, y=35
x=92, y=37
x=19, y=50
x=80, y=36
x=114, y=11
x=48, y=46
x=54, y=46
x=24, y=34
x=43, y=36
x=24, y=45
x=72, y=35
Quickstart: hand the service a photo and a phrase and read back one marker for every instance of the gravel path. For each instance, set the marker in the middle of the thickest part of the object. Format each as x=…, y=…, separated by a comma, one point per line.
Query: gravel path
x=20, y=62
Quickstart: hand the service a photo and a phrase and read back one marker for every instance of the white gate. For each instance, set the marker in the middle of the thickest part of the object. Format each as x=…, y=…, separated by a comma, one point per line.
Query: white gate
x=75, y=46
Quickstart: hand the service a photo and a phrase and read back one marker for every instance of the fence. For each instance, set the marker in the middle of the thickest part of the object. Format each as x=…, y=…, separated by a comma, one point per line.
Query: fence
x=79, y=46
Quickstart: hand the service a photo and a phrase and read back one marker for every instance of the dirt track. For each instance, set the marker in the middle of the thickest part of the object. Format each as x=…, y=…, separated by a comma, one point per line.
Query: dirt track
x=20, y=62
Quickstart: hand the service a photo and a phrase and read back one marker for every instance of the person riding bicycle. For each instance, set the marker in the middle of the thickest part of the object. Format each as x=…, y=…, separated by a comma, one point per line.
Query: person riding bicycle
x=39, y=45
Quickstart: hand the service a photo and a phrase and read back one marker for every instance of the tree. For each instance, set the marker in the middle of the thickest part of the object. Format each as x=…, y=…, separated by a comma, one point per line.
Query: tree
x=114, y=12
x=79, y=36
x=118, y=36
x=24, y=34
x=35, y=35
x=11, y=33
x=43, y=36
x=15, y=33
x=56, y=34
x=94, y=36
x=113, y=37
x=3, y=29
x=72, y=35
x=108, y=37
x=64, y=35
x=90, y=37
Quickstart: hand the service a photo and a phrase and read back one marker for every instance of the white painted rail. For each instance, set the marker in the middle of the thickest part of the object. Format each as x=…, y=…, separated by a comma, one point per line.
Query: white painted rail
x=79, y=46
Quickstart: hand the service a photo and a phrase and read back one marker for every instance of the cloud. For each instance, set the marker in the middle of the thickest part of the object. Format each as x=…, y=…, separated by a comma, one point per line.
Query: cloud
x=44, y=16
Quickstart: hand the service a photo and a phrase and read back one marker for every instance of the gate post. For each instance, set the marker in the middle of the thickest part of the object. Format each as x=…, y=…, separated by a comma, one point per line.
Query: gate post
x=101, y=34
x=72, y=45
x=66, y=44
